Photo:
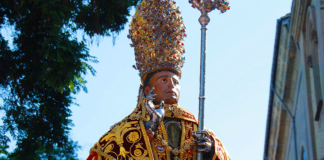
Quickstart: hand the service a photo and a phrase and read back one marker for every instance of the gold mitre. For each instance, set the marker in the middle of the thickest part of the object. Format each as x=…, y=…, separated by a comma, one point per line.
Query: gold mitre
x=157, y=31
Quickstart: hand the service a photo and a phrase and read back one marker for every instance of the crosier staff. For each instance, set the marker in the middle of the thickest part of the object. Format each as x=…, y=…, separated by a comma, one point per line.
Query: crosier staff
x=204, y=7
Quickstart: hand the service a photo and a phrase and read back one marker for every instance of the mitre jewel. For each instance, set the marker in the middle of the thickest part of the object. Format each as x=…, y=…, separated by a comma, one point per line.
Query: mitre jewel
x=157, y=31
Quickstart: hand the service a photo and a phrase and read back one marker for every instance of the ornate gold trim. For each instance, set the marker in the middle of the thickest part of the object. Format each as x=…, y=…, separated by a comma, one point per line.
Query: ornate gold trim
x=148, y=145
x=226, y=156
x=165, y=136
x=219, y=144
x=177, y=111
x=143, y=107
x=183, y=137
x=194, y=153
x=154, y=151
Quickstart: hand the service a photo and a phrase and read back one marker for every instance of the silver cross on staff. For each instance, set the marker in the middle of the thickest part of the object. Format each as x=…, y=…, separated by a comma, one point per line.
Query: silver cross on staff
x=204, y=7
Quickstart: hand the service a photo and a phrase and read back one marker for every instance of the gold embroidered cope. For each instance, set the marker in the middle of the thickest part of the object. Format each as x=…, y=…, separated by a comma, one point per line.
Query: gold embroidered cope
x=128, y=139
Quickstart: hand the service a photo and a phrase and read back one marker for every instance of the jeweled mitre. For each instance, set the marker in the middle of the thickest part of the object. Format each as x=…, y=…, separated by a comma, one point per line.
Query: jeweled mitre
x=157, y=32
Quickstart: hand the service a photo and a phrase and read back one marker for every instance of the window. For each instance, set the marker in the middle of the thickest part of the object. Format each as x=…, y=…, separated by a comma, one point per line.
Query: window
x=311, y=50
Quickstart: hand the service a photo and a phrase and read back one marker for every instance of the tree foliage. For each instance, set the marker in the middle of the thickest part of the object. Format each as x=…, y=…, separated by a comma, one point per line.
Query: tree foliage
x=46, y=67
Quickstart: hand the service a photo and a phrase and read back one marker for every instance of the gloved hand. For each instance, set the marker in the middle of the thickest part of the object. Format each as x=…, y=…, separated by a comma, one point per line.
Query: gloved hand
x=204, y=143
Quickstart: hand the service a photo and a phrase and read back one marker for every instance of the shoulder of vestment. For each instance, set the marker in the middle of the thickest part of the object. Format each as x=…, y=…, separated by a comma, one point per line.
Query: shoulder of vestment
x=126, y=139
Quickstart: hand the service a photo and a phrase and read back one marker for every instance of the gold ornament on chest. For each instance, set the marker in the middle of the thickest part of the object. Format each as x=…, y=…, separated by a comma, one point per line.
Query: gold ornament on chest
x=165, y=141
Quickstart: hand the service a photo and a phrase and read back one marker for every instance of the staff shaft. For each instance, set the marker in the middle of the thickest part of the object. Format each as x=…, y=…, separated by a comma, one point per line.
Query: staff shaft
x=202, y=81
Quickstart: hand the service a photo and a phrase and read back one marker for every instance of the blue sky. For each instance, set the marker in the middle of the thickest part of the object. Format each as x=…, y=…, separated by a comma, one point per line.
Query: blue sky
x=239, y=56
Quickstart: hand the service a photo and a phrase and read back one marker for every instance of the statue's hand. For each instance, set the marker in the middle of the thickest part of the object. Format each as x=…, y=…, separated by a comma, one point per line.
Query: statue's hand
x=204, y=143
x=156, y=115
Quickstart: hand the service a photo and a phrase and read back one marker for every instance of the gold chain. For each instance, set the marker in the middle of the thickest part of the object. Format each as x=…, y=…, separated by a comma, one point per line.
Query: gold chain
x=176, y=151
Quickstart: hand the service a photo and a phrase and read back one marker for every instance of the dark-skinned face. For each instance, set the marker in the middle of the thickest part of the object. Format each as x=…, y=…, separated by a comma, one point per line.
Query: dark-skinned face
x=166, y=87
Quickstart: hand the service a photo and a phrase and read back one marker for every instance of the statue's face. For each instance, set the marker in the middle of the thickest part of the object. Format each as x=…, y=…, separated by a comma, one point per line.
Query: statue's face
x=166, y=87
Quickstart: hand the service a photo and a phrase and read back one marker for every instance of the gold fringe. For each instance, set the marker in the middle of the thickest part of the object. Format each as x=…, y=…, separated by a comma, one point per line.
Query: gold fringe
x=183, y=137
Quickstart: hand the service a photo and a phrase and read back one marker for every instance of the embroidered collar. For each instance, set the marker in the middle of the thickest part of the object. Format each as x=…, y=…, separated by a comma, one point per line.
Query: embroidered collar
x=176, y=111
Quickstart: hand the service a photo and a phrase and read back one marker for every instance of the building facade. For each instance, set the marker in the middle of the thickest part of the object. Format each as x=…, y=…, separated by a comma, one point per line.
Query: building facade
x=295, y=122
